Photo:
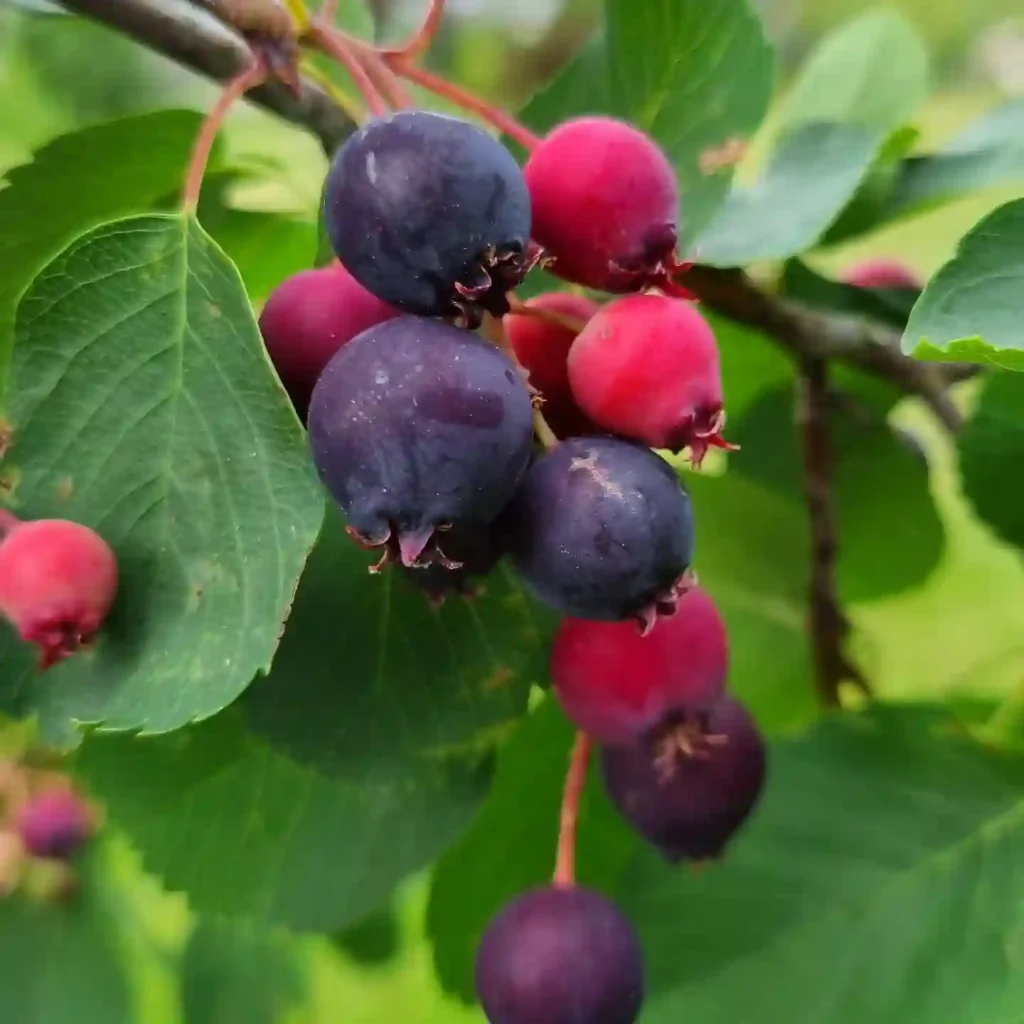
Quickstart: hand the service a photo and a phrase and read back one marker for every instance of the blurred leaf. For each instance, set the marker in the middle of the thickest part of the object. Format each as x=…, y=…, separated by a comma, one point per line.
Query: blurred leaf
x=355, y=17
x=234, y=974
x=751, y=364
x=879, y=881
x=372, y=940
x=144, y=406
x=511, y=845
x=971, y=309
x=667, y=66
x=59, y=961
x=35, y=6
x=74, y=183
x=991, y=447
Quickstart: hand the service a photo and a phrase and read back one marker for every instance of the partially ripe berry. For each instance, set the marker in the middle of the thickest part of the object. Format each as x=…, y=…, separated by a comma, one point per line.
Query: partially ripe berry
x=57, y=583
x=55, y=823
x=560, y=956
x=308, y=317
x=417, y=427
x=882, y=272
x=689, y=785
x=647, y=367
x=617, y=685
x=605, y=205
x=470, y=552
x=602, y=529
x=430, y=213
x=542, y=347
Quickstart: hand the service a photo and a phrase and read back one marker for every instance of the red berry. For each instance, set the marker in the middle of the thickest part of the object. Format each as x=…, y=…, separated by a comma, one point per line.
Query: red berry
x=308, y=317
x=605, y=205
x=882, y=272
x=543, y=348
x=616, y=685
x=647, y=367
x=55, y=823
x=57, y=583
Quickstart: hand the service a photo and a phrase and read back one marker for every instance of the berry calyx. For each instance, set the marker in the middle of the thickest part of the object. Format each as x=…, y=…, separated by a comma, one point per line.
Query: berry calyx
x=308, y=317
x=560, y=955
x=470, y=553
x=54, y=824
x=647, y=367
x=602, y=529
x=58, y=580
x=418, y=429
x=431, y=214
x=691, y=782
x=605, y=205
x=616, y=685
x=542, y=348
x=882, y=272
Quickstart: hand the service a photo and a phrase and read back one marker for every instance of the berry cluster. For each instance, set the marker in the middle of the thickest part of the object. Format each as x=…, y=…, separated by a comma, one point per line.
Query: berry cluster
x=426, y=386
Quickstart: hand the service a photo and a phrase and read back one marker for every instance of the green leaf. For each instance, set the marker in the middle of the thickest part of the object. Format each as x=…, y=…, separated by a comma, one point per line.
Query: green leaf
x=511, y=846
x=971, y=309
x=694, y=75
x=234, y=974
x=78, y=181
x=59, y=961
x=879, y=881
x=372, y=940
x=145, y=406
x=992, y=443
x=355, y=17
x=751, y=364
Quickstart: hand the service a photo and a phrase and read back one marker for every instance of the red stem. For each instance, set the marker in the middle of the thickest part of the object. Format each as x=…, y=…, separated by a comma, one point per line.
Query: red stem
x=422, y=37
x=8, y=521
x=548, y=316
x=565, y=858
x=329, y=11
x=335, y=45
x=389, y=84
x=234, y=90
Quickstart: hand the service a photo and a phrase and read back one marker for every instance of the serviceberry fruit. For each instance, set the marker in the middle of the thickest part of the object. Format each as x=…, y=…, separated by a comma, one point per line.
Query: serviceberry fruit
x=617, y=685
x=602, y=529
x=471, y=552
x=647, y=367
x=308, y=317
x=691, y=782
x=416, y=428
x=882, y=272
x=57, y=583
x=431, y=214
x=542, y=348
x=55, y=823
x=605, y=205
x=560, y=955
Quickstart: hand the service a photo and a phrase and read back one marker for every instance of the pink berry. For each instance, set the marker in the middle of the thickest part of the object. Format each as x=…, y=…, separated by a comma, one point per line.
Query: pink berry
x=543, y=348
x=881, y=272
x=647, y=367
x=55, y=823
x=308, y=317
x=605, y=205
x=57, y=583
x=617, y=685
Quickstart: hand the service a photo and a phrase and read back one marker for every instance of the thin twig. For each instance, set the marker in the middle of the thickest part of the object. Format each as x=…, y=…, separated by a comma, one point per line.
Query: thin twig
x=386, y=80
x=575, y=779
x=422, y=37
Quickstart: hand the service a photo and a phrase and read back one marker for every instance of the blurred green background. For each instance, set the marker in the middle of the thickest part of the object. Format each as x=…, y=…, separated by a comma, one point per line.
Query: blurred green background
x=956, y=635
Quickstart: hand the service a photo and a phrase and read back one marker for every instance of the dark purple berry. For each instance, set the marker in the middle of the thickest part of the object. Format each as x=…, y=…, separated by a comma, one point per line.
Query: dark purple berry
x=417, y=427
x=690, y=784
x=602, y=529
x=560, y=956
x=430, y=213
x=54, y=824
x=471, y=552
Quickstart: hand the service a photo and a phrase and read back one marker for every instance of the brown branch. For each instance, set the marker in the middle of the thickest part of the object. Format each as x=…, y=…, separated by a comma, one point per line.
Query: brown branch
x=829, y=626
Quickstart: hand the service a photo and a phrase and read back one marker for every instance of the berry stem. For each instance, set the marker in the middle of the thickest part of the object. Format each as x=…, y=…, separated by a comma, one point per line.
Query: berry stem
x=421, y=39
x=387, y=82
x=332, y=42
x=8, y=521
x=570, y=323
x=329, y=11
x=234, y=90
x=575, y=778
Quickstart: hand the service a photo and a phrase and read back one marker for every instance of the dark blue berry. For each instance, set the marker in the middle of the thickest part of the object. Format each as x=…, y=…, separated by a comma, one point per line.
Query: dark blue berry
x=417, y=426
x=430, y=214
x=54, y=824
x=689, y=785
x=560, y=956
x=602, y=529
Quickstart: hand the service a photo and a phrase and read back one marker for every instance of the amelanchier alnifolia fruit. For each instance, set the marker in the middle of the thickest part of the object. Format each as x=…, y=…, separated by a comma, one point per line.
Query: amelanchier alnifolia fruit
x=431, y=214
x=616, y=685
x=605, y=205
x=689, y=784
x=58, y=580
x=647, y=367
x=308, y=317
x=470, y=552
x=882, y=272
x=417, y=427
x=560, y=955
x=55, y=823
x=602, y=529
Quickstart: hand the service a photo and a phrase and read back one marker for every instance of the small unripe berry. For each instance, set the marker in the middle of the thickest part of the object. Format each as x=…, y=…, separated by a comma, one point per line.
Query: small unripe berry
x=647, y=367
x=57, y=583
x=881, y=272
x=560, y=956
x=55, y=823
